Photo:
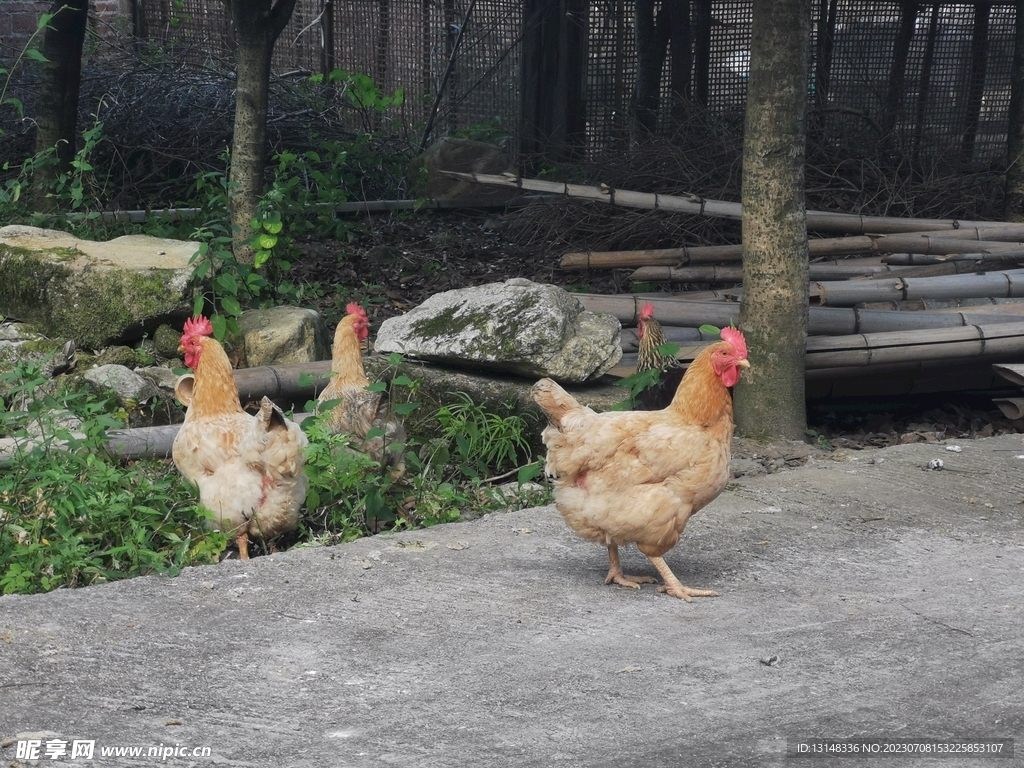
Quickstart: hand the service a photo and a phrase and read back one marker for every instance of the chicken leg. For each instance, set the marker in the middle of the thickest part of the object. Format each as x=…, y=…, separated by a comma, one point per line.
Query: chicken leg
x=616, y=575
x=242, y=540
x=672, y=585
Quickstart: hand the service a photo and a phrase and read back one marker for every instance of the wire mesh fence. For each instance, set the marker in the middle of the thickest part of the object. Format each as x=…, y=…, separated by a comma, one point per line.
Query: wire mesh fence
x=924, y=80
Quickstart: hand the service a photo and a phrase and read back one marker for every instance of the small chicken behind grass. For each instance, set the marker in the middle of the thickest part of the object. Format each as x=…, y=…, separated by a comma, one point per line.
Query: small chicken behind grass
x=638, y=476
x=360, y=411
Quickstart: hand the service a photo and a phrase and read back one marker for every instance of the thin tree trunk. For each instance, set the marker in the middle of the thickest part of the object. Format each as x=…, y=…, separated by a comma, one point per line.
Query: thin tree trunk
x=681, y=49
x=976, y=88
x=897, y=76
x=1015, y=132
x=257, y=25
x=57, y=119
x=774, y=308
x=651, y=42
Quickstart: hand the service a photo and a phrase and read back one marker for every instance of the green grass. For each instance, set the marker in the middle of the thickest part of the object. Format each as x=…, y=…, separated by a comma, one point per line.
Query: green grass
x=73, y=515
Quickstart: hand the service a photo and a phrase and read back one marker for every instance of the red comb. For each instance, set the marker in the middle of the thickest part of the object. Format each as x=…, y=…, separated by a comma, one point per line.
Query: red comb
x=198, y=326
x=355, y=309
x=735, y=337
x=647, y=311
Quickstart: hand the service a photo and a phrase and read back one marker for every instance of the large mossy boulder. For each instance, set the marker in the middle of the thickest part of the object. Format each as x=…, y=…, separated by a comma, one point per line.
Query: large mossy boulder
x=518, y=327
x=96, y=293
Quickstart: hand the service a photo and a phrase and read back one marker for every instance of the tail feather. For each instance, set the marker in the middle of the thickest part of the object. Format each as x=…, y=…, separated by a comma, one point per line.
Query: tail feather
x=554, y=401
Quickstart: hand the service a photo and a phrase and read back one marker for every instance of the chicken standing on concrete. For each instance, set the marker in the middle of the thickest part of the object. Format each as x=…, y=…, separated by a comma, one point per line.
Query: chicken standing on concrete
x=638, y=476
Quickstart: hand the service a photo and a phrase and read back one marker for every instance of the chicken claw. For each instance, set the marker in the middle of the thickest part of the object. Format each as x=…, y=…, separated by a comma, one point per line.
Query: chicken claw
x=616, y=575
x=672, y=585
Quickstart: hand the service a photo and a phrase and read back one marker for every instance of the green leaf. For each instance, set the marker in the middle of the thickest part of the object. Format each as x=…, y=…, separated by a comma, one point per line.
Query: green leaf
x=266, y=241
x=227, y=283
x=710, y=329
x=260, y=258
x=528, y=473
x=197, y=304
x=231, y=306
x=219, y=327
x=404, y=409
x=668, y=350
x=377, y=386
x=306, y=379
x=35, y=55
x=402, y=381
x=273, y=227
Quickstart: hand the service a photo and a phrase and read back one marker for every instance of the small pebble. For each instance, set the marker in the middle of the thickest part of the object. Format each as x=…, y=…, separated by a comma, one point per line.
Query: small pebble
x=771, y=661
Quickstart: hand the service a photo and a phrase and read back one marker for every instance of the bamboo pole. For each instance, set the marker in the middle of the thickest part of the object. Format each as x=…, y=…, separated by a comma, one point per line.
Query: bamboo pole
x=702, y=254
x=683, y=317
x=996, y=238
x=731, y=274
x=941, y=344
x=1006, y=284
x=816, y=220
x=928, y=244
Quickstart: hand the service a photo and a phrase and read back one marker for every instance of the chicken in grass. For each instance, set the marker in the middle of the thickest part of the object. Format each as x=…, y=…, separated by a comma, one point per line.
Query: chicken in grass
x=650, y=357
x=248, y=469
x=638, y=476
x=359, y=412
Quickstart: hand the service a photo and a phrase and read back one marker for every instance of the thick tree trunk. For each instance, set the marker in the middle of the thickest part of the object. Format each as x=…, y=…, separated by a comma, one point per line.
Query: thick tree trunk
x=1015, y=133
x=57, y=119
x=257, y=24
x=773, y=313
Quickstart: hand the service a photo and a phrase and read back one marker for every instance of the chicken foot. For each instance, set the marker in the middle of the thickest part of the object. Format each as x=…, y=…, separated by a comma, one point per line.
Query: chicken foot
x=616, y=575
x=672, y=585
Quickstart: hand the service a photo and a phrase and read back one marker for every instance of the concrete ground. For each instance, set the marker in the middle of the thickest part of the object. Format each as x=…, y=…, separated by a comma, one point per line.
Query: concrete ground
x=862, y=596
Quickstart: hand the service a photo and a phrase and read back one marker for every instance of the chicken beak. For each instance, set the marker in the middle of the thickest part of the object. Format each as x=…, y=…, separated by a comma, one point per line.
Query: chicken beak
x=743, y=363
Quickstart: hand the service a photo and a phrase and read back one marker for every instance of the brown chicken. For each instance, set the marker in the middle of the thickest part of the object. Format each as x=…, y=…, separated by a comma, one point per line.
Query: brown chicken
x=638, y=476
x=360, y=410
x=249, y=469
x=650, y=357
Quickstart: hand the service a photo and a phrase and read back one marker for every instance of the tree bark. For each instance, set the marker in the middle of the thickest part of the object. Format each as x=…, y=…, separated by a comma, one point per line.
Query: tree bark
x=774, y=308
x=1015, y=133
x=651, y=44
x=257, y=25
x=57, y=119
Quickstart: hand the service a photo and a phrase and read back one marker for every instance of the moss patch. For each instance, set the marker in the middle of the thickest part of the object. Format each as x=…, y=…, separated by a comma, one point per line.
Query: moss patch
x=90, y=305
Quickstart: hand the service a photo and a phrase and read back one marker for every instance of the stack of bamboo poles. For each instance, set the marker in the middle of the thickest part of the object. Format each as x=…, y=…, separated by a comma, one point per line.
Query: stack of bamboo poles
x=897, y=304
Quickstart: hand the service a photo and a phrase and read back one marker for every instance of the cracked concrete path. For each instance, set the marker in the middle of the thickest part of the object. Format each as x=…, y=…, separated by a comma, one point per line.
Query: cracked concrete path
x=861, y=597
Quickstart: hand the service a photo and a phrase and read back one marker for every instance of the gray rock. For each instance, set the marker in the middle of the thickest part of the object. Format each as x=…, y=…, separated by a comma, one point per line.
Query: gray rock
x=125, y=383
x=92, y=292
x=519, y=327
x=162, y=378
x=283, y=336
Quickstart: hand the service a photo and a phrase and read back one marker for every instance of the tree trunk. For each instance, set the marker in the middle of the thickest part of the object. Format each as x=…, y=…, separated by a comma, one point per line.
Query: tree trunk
x=57, y=119
x=681, y=60
x=1015, y=132
x=257, y=24
x=773, y=312
x=651, y=44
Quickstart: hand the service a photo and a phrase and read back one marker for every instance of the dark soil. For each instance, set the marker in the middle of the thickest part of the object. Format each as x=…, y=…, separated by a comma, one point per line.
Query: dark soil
x=394, y=262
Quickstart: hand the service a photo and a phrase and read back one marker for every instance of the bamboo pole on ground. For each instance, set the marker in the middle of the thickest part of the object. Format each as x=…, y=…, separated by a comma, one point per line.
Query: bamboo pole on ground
x=734, y=274
x=816, y=220
x=680, y=319
x=702, y=254
x=1006, y=284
